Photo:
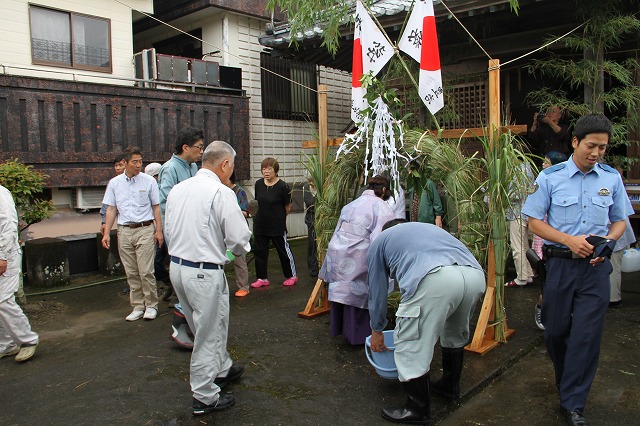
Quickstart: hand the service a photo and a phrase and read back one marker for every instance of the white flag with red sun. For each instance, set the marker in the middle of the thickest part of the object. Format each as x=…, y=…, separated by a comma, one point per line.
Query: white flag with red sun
x=420, y=41
x=371, y=52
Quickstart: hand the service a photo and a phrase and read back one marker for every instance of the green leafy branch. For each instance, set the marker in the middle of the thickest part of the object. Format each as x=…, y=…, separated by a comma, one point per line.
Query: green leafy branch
x=26, y=184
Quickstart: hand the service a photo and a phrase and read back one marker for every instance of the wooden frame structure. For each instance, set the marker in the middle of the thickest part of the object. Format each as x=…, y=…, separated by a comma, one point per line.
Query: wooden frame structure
x=318, y=303
x=484, y=335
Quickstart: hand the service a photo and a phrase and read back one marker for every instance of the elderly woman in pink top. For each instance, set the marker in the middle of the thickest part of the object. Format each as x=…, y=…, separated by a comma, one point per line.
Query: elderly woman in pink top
x=345, y=264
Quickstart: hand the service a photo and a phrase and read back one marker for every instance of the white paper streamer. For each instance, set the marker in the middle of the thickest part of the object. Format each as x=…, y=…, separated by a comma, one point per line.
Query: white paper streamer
x=383, y=135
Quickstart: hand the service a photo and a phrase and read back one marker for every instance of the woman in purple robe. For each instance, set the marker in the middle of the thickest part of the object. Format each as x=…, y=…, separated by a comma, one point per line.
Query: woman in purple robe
x=345, y=264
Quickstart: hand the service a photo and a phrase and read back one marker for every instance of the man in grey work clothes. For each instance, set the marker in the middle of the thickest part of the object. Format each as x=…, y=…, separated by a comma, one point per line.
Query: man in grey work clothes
x=202, y=221
x=133, y=200
x=440, y=282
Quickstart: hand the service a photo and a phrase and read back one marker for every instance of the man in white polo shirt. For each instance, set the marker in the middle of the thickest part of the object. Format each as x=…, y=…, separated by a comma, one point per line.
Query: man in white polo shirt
x=202, y=221
x=134, y=198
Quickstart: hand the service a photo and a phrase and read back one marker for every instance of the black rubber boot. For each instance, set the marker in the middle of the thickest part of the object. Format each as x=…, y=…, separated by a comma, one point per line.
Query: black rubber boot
x=168, y=292
x=180, y=331
x=449, y=385
x=417, y=408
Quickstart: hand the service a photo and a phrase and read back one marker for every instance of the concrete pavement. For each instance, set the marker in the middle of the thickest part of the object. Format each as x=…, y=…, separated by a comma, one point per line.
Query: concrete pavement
x=92, y=367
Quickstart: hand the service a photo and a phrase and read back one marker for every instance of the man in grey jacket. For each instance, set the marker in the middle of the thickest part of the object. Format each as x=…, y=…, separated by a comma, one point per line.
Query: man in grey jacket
x=440, y=282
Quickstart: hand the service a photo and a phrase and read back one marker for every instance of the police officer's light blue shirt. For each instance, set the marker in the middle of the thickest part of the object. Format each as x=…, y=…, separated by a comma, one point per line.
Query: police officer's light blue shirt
x=407, y=253
x=578, y=203
x=172, y=172
x=133, y=197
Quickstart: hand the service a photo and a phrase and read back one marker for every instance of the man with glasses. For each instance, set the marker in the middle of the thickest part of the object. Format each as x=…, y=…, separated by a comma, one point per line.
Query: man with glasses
x=181, y=166
x=132, y=198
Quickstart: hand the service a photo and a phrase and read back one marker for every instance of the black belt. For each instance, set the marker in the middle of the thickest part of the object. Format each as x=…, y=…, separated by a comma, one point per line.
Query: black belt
x=550, y=251
x=139, y=224
x=203, y=265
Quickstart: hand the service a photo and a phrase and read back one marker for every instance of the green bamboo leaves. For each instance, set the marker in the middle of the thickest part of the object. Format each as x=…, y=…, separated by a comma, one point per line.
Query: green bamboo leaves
x=482, y=186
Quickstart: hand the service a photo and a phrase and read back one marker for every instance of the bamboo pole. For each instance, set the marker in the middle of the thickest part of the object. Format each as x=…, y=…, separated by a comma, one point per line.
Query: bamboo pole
x=323, y=126
x=396, y=51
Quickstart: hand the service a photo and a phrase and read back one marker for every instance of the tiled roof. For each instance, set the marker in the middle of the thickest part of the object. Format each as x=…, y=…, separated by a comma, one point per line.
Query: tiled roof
x=281, y=36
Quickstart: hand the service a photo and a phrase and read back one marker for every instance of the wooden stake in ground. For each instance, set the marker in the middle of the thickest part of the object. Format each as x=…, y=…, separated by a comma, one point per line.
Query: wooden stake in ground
x=484, y=338
x=318, y=303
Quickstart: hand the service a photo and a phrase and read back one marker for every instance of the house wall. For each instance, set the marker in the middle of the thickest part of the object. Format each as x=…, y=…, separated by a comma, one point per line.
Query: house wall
x=236, y=36
x=15, y=38
x=282, y=139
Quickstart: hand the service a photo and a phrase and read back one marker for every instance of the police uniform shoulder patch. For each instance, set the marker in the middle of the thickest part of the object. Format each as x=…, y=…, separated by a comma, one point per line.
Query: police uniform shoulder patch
x=608, y=168
x=553, y=169
x=533, y=188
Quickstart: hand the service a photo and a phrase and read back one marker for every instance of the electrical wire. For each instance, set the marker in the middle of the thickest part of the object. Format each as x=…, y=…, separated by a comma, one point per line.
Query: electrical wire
x=539, y=48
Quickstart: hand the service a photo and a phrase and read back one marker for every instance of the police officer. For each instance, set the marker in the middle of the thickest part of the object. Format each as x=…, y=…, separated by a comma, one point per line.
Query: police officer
x=580, y=197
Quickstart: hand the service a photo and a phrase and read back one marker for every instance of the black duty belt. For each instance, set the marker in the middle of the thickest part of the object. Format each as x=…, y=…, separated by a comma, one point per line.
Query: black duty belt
x=139, y=224
x=550, y=251
x=203, y=265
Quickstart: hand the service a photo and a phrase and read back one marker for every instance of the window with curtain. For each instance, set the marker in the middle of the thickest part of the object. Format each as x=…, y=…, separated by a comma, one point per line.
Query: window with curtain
x=281, y=97
x=67, y=39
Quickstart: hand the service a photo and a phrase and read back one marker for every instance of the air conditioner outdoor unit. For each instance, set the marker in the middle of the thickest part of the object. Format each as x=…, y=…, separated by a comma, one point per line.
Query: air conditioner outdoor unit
x=145, y=64
x=88, y=198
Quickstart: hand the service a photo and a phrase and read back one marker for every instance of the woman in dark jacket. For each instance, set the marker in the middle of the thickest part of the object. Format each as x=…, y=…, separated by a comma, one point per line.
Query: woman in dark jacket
x=270, y=224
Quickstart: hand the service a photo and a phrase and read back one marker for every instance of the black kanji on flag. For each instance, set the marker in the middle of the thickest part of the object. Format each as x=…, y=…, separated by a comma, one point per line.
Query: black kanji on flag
x=415, y=38
x=375, y=52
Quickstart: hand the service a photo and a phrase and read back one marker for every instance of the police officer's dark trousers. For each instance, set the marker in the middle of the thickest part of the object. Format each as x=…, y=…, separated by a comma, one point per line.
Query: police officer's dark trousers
x=576, y=297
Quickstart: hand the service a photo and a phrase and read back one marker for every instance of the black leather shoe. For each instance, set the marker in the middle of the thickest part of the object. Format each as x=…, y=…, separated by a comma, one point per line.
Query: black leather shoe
x=223, y=402
x=404, y=415
x=234, y=373
x=575, y=418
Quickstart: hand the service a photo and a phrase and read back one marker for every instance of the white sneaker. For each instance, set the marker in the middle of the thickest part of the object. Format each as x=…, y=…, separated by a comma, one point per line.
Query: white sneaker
x=135, y=315
x=10, y=352
x=150, y=313
x=26, y=352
